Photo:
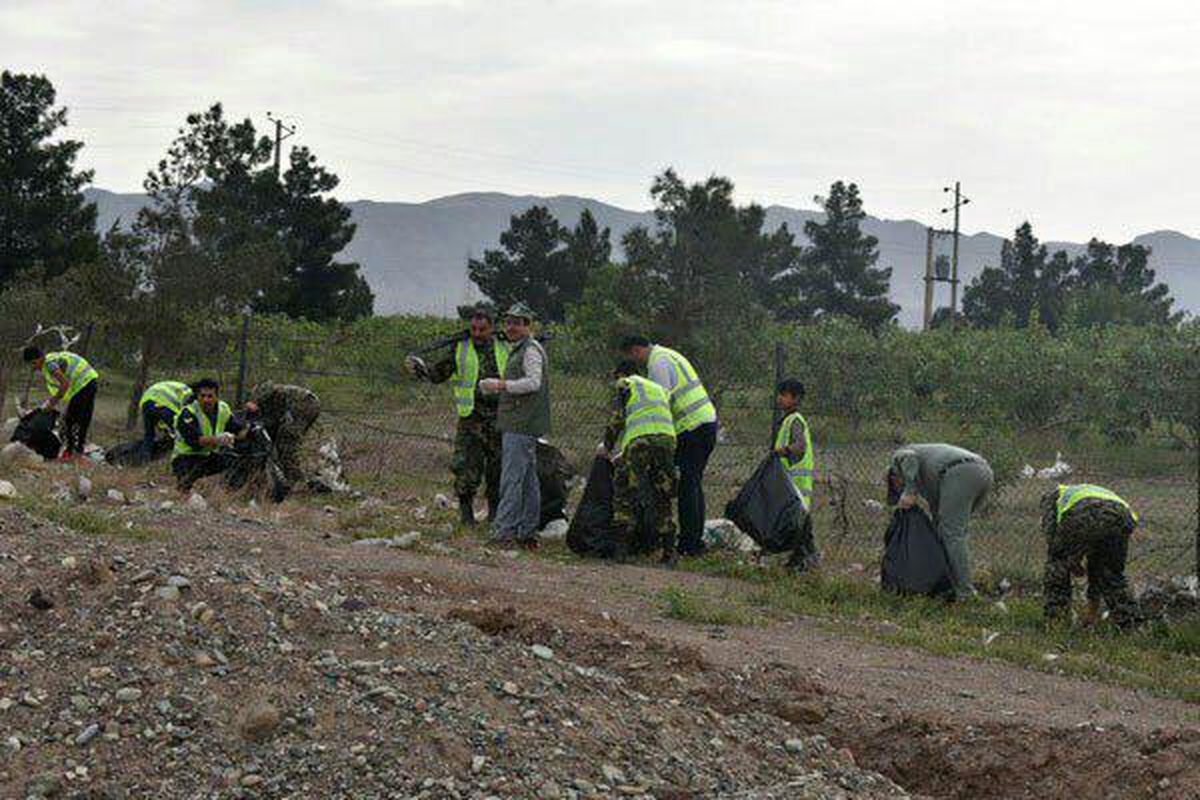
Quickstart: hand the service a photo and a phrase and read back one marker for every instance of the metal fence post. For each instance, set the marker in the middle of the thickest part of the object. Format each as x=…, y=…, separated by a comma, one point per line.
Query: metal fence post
x=780, y=370
x=242, y=346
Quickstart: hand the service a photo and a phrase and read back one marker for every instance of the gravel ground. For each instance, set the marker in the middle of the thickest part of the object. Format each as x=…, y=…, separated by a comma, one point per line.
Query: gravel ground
x=246, y=652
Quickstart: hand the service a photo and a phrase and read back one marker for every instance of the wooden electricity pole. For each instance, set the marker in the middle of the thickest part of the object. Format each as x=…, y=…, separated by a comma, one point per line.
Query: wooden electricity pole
x=959, y=202
x=280, y=135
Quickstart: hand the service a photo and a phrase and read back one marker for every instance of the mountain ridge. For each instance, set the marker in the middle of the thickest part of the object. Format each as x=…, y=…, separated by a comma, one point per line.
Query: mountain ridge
x=414, y=254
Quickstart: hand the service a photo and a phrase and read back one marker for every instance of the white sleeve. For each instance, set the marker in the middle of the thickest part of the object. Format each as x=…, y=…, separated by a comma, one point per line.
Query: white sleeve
x=663, y=373
x=532, y=381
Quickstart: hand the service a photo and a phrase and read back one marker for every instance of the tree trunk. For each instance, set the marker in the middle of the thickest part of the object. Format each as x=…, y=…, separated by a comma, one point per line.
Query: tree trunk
x=139, y=387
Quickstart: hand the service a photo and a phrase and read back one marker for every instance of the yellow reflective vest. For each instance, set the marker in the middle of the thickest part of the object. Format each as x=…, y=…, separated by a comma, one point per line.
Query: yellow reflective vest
x=1069, y=496
x=647, y=411
x=166, y=394
x=79, y=373
x=207, y=428
x=800, y=470
x=466, y=372
x=690, y=404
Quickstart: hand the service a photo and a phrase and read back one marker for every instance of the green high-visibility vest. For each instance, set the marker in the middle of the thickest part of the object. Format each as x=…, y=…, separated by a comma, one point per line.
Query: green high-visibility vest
x=1068, y=496
x=207, y=428
x=166, y=394
x=466, y=372
x=800, y=470
x=690, y=404
x=79, y=373
x=647, y=411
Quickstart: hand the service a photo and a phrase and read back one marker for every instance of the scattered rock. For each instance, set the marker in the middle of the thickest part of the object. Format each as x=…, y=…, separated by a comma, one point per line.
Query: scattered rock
x=794, y=746
x=115, y=496
x=87, y=734
x=39, y=600
x=542, y=652
x=612, y=775
x=83, y=488
x=7, y=491
x=128, y=694
x=196, y=502
x=168, y=593
x=258, y=721
x=179, y=582
x=441, y=501
x=555, y=531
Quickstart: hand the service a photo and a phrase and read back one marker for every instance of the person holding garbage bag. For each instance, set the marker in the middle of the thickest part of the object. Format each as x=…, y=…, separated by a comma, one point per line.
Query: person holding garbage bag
x=774, y=506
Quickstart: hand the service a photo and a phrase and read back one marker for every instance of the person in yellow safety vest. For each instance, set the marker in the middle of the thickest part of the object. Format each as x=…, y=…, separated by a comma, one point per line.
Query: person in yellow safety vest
x=477, y=449
x=695, y=419
x=72, y=380
x=640, y=439
x=205, y=432
x=793, y=445
x=1084, y=522
x=160, y=404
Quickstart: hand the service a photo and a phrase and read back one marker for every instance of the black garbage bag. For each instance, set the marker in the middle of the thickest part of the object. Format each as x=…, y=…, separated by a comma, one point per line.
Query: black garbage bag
x=914, y=558
x=553, y=474
x=129, y=454
x=35, y=430
x=591, y=530
x=255, y=467
x=768, y=509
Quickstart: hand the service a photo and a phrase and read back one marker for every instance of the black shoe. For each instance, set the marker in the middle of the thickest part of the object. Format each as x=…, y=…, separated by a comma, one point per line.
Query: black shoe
x=669, y=559
x=466, y=510
x=694, y=550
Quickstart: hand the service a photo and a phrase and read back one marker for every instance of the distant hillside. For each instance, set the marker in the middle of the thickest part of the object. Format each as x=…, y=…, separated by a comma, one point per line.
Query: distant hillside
x=415, y=254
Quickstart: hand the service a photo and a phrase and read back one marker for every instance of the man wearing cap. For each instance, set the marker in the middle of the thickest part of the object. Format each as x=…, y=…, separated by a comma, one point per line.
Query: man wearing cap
x=695, y=420
x=523, y=416
x=954, y=482
x=1086, y=522
x=477, y=357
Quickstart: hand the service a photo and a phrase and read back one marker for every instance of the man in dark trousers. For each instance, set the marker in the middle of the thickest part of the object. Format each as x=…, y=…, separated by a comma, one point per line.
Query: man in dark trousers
x=695, y=419
x=205, y=433
x=72, y=380
x=524, y=416
x=793, y=445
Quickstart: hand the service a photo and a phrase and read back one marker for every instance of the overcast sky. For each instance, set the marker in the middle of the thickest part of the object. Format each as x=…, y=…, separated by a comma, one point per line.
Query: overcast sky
x=1082, y=116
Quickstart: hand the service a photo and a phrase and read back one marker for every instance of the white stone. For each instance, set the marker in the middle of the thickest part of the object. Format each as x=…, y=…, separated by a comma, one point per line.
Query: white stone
x=555, y=530
x=18, y=456
x=115, y=497
x=196, y=502
x=7, y=490
x=542, y=652
x=406, y=540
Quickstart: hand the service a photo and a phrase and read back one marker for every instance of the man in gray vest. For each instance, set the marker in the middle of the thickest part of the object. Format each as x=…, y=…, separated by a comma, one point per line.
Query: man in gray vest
x=954, y=483
x=524, y=416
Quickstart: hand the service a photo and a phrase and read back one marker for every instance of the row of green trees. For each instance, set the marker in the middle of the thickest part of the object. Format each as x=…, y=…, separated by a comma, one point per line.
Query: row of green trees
x=224, y=231
x=708, y=261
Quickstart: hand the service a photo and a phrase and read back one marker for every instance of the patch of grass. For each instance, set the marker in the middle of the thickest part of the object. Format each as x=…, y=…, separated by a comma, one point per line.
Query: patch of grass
x=1161, y=658
x=85, y=521
x=689, y=606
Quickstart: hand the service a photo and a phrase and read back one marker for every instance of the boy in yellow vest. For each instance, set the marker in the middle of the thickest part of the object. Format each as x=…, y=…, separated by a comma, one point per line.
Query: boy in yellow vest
x=1086, y=522
x=640, y=439
x=793, y=445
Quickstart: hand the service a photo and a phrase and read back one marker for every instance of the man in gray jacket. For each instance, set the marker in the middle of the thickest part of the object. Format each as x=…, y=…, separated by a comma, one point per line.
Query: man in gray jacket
x=954, y=483
x=523, y=417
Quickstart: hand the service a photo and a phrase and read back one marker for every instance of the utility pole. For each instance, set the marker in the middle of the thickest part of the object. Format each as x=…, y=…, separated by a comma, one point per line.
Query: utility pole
x=928, y=318
x=280, y=135
x=959, y=202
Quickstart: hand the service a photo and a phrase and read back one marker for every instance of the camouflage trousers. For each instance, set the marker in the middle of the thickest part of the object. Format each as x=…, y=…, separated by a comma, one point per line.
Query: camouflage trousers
x=1096, y=531
x=476, y=458
x=644, y=487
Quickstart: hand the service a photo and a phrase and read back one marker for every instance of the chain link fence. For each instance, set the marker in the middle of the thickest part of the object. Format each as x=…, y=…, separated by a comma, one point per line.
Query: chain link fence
x=396, y=435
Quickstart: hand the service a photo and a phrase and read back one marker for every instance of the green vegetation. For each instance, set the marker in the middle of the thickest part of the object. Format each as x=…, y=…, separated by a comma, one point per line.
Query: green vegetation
x=1161, y=658
x=85, y=521
x=690, y=606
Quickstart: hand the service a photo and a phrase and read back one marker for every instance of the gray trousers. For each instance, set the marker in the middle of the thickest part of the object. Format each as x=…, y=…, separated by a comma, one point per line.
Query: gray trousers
x=520, y=506
x=960, y=492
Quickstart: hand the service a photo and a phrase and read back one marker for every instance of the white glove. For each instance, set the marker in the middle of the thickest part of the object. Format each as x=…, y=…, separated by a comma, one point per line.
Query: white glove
x=602, y=451
x=490, y=385
x=416, y=366
x=226, y=439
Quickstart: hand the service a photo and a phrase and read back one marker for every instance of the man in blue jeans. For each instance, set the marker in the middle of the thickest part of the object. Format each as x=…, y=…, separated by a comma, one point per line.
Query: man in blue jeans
x=523, y=416
x=695, y=419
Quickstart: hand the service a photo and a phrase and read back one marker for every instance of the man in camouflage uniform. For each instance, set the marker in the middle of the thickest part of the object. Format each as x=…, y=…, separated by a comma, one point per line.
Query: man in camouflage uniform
x=287, y=413
x=477, y=447
x=1087, y=522
x=640, y=438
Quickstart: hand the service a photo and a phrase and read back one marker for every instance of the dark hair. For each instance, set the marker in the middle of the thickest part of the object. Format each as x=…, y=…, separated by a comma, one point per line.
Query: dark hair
x=31, y=354
x=483, y=312
x=791, y=386
x=636, y=340
x=626, y=368
x=205, y=383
